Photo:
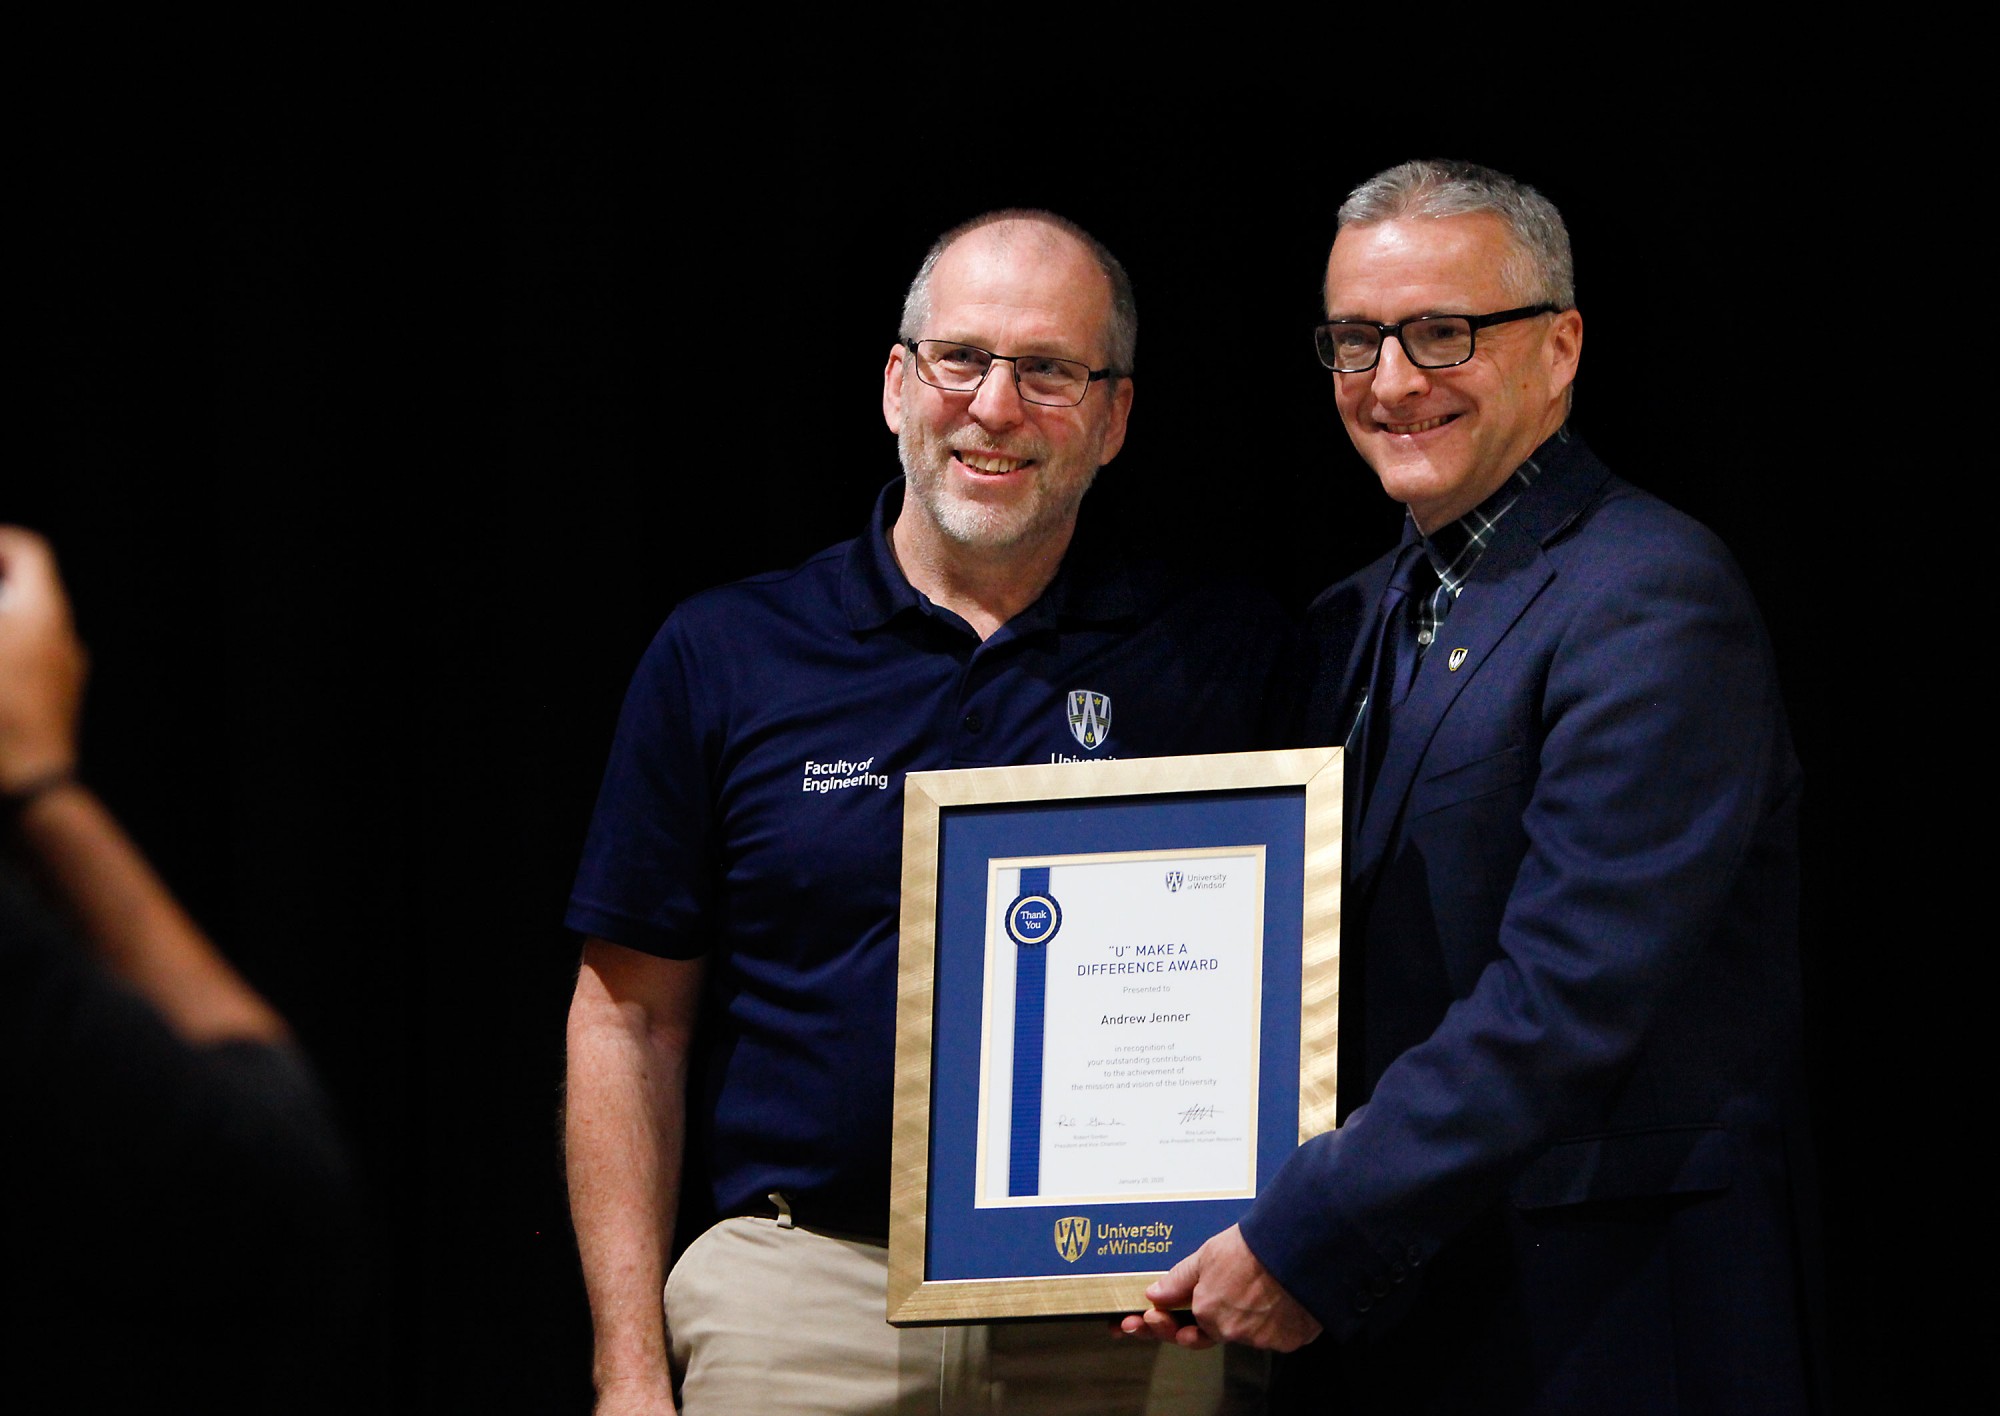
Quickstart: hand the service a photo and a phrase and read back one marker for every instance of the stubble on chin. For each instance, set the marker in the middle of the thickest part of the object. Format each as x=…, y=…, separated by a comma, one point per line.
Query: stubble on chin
x=982, y=525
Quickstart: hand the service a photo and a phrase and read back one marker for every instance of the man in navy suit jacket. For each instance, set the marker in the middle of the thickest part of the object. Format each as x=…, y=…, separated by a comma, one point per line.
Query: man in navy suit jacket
x=1570, y=1051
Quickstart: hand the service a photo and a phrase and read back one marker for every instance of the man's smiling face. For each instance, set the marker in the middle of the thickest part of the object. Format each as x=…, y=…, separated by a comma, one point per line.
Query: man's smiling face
x=1443, y=440
x=987, y=471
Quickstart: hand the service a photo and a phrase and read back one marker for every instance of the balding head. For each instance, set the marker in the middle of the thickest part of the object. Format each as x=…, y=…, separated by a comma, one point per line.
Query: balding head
x=1115, y=340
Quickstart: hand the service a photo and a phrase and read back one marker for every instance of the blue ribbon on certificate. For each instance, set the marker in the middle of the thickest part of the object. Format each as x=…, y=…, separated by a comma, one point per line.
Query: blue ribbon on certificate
x=1032, y=920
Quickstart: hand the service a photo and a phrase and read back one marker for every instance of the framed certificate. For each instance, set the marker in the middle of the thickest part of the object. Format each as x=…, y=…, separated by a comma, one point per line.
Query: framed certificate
x=1116, y=1017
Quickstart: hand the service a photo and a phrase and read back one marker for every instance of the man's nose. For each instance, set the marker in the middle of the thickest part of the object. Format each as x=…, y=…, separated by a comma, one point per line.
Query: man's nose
x=997, y=401
x=1395, y=376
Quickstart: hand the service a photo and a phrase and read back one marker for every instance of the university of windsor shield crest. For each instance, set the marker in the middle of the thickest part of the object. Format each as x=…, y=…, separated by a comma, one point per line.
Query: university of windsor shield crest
x=1072, y=1236
x=1089, y=717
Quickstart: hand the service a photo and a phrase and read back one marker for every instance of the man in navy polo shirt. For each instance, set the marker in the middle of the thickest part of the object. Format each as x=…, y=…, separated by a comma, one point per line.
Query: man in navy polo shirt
x=731, y=1038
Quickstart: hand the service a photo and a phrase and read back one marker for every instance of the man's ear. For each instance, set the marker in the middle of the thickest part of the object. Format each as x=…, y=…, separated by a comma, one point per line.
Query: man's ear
x=1121, y=411
x=1564, y=348
x=892, y=389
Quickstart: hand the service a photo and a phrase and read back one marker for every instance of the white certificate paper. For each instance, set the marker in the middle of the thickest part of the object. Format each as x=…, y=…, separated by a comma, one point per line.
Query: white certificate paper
x=1149, y=1035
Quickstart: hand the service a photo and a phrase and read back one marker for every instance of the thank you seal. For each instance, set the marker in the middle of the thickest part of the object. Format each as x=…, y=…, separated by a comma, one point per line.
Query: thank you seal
x=1034, y=917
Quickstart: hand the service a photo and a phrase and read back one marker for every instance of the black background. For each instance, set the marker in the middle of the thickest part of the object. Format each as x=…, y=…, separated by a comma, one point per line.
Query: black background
x=381, y=410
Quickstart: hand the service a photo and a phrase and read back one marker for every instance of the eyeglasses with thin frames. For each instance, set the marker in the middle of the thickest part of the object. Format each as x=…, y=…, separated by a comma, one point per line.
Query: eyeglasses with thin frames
x=1040, y=378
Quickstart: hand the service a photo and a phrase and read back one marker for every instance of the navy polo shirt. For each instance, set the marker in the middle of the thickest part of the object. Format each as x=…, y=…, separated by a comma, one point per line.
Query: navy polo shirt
x=752, y=813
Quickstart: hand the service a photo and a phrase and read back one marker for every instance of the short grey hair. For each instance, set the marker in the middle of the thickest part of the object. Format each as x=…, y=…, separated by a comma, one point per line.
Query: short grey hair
x=1539, y=269
x=1121, y=333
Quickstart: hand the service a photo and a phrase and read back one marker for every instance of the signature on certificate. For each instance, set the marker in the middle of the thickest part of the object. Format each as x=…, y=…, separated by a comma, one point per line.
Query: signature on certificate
x=1192, y=1114
x=1092, y=1123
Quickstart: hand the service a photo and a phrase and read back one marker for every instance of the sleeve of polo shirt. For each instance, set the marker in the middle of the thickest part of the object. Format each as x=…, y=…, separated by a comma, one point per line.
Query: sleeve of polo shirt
x=647, y=872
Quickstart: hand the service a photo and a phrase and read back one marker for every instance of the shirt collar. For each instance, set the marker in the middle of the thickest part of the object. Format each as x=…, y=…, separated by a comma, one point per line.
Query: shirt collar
x=1093, y=584
x=1455, y=547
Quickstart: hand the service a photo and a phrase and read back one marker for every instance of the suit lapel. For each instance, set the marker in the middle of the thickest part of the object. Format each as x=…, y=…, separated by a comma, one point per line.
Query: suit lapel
x=1507, y=579
x=1353, y=680
x=1491, y=607
x=1358, y=671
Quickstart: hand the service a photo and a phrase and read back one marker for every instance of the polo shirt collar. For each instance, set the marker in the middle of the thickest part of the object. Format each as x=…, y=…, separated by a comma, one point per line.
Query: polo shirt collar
x=1093, y=585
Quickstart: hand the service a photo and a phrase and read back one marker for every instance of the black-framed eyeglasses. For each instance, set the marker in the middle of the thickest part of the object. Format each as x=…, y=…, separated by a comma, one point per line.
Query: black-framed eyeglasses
x=1433, y=342
x=961, y=368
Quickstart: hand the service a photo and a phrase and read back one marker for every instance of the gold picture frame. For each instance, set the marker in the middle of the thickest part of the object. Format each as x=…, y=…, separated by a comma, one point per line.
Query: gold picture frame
x=957, y=1252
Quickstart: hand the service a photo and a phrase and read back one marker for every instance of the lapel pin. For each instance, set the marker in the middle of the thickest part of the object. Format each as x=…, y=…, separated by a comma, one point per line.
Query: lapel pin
x=1457, y=658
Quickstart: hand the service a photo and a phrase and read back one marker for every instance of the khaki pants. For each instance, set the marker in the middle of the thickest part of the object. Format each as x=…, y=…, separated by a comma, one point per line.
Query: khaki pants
x=769, y=1320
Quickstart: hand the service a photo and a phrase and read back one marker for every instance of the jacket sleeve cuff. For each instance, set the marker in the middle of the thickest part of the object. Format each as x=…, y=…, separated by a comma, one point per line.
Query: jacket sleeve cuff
x=1349, y=1281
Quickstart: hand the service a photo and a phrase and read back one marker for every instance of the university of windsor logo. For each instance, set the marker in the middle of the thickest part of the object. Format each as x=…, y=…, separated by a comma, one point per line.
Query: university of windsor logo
x=1174, y=878
x=1072, y=1236
x=1089, y=717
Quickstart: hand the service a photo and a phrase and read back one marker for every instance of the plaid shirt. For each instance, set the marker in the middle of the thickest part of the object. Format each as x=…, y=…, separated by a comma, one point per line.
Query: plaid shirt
x=1452, y=551
x=1454, y=548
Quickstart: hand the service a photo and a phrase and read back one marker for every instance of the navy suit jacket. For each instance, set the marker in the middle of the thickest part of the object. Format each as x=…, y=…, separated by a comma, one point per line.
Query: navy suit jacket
x=1569, y=1013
